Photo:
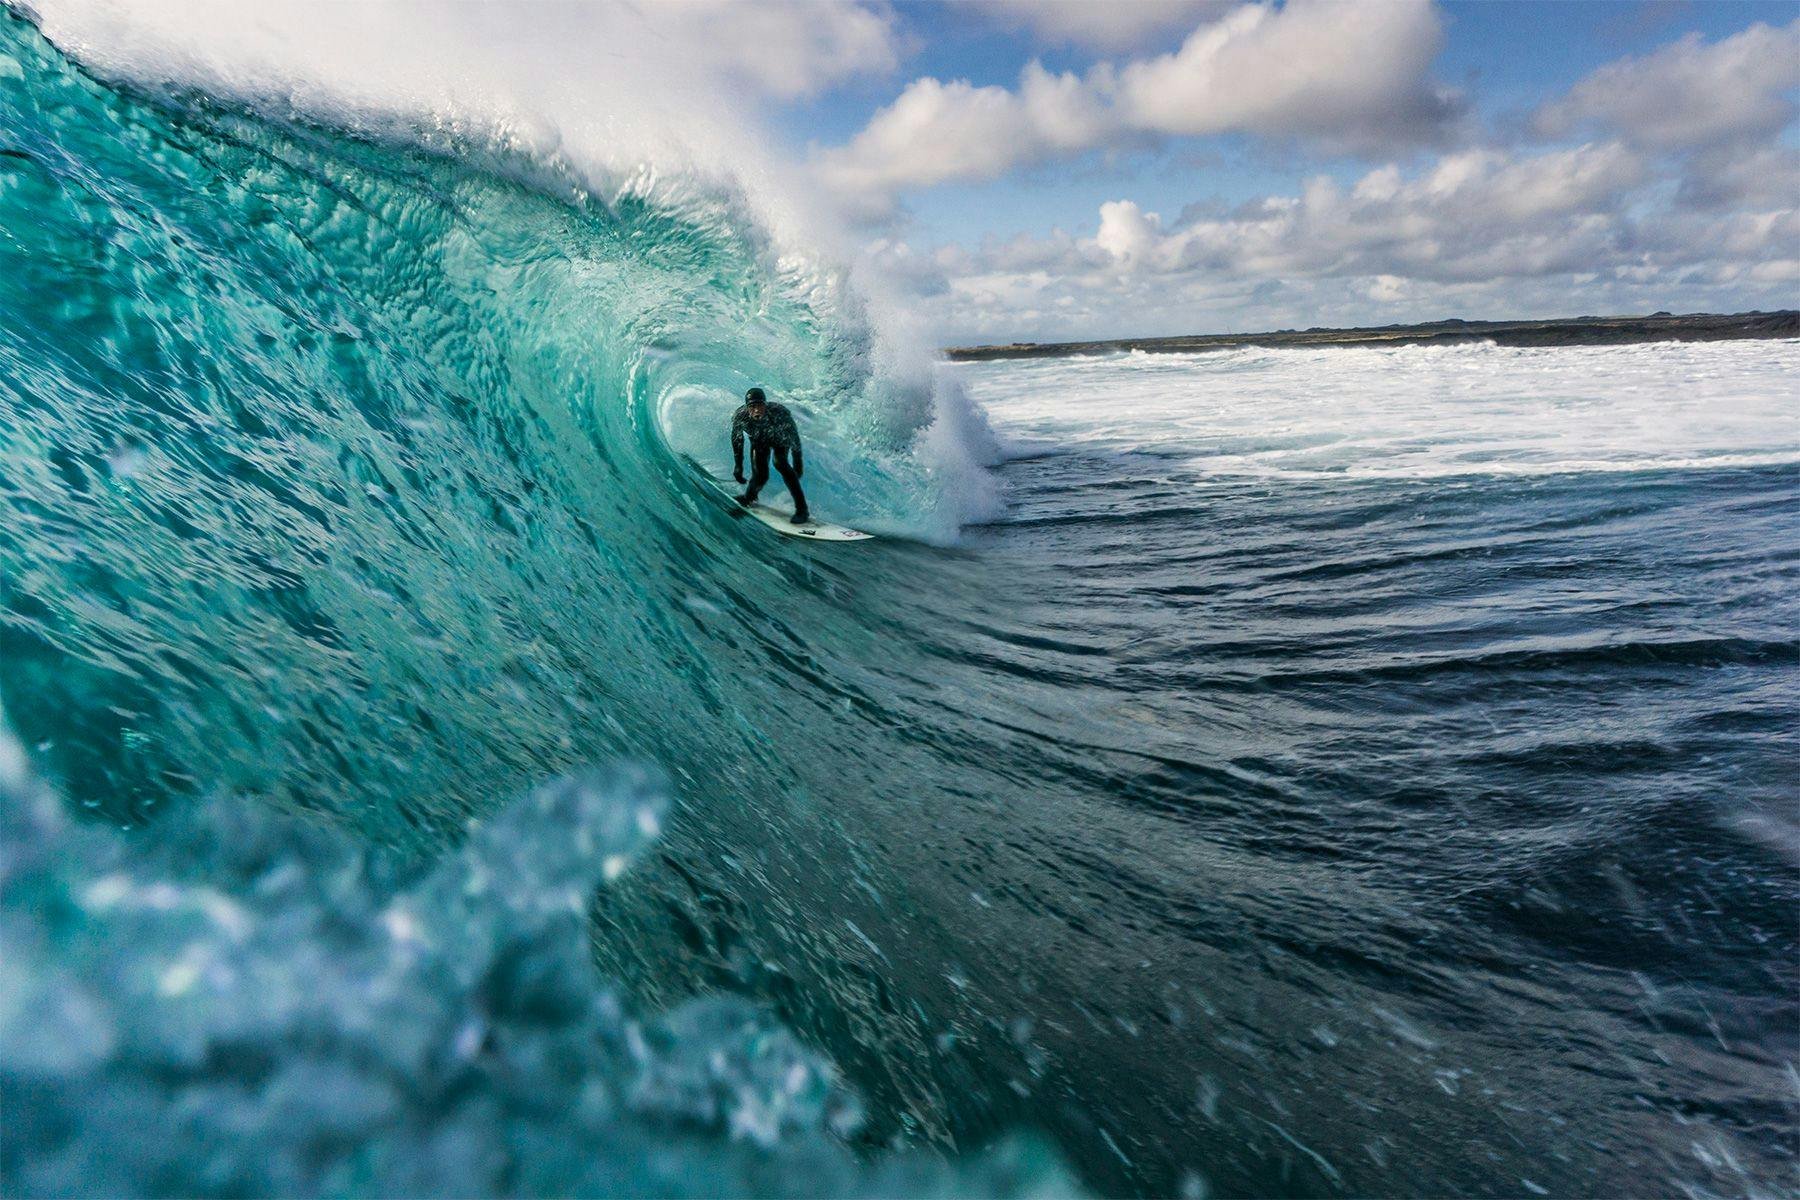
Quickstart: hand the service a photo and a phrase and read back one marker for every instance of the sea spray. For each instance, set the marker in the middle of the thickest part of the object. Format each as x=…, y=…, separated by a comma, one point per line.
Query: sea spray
x=249, y=1004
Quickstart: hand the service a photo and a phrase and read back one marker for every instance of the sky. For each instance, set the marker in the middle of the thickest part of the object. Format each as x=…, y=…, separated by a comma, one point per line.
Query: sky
x=1032, y=170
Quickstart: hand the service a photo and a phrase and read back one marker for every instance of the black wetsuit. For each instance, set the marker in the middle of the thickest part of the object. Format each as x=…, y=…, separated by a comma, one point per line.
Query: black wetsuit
x=774, y=435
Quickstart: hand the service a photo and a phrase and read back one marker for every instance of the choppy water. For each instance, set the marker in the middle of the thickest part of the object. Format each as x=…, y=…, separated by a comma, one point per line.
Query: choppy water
x=1336, y=772
x=1430, y=717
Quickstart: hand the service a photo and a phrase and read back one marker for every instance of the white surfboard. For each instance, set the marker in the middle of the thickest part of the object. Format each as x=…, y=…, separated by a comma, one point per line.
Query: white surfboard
x=818, y=531
x=782, y=522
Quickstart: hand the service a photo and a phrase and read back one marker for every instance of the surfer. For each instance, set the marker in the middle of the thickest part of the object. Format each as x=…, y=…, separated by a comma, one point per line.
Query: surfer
x=769, y=428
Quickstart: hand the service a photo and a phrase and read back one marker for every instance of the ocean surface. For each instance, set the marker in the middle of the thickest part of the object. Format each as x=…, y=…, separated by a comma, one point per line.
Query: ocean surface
x=1272, y=772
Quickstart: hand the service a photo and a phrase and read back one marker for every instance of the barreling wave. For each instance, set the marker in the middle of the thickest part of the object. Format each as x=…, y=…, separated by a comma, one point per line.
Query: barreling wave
x=1259, y=811
x=392, y=429
x=344, y=477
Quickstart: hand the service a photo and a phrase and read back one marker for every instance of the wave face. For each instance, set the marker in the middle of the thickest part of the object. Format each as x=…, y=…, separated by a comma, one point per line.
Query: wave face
x=345, y=478
x=399, y=434
x=1288, y=815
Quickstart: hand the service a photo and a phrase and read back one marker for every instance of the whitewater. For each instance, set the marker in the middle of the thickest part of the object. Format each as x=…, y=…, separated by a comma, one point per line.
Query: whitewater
x=1301, y=772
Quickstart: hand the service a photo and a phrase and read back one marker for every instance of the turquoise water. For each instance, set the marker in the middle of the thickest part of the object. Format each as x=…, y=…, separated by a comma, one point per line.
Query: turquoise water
x=342, y=479
x=1218, y=817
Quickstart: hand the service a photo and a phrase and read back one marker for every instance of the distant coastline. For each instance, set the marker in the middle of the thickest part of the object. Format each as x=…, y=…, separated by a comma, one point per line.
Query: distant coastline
x=1568, y=331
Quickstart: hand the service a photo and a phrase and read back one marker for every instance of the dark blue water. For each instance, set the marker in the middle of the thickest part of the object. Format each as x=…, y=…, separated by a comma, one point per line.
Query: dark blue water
x=1445, y=829
x=1226, y=831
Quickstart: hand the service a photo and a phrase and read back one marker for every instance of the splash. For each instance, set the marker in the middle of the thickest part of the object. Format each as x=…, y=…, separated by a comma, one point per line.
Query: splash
x=251, y=1005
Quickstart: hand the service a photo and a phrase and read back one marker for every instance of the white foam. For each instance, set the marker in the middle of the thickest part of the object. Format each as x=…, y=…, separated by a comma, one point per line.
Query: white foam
x=1414, y=411
x=611, y=89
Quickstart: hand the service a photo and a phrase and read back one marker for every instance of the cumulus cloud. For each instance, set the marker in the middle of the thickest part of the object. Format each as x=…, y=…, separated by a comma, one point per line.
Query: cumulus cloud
x=1337, y=71
x=1114, y=25
x=786, y=49
x=937, y=132
x=1500, y=231
x=1347, y=74
x=1473, y=214
x=1683, y=191
x=1726, y=177
x=1689, y=94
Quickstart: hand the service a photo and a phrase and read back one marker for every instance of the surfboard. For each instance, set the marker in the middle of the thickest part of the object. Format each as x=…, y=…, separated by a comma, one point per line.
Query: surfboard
x=781, y=522
x=818, y=531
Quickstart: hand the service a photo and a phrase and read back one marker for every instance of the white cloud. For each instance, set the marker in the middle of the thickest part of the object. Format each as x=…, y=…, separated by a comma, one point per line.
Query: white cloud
x=1387, y=287
x=1344, y=72
x=1474, y=214
x=785, y=49
x=1685, y=194
x=1480, y=232
x=936, y=131
x=1350, y=74
x=1727, y=177
x=1127, y=234
x=1103, y=24
x=1689, y=94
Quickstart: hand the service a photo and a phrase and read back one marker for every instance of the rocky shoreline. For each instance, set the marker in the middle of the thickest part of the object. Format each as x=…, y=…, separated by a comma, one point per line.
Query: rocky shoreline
x=1569, y=331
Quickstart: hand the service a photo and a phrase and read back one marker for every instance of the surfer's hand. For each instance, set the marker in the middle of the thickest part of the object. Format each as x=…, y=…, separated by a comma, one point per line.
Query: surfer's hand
x=738, y=475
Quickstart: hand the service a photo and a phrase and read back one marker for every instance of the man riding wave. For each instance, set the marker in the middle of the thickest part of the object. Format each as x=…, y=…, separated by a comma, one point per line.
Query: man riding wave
x=770, y=430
